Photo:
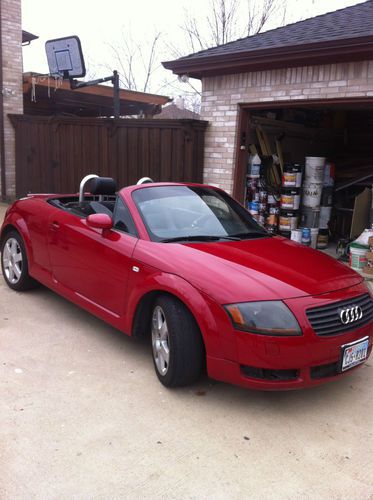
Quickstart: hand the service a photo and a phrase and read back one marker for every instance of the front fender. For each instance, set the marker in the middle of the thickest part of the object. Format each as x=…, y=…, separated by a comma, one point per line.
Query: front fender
x=15, y=220
x=209, y=316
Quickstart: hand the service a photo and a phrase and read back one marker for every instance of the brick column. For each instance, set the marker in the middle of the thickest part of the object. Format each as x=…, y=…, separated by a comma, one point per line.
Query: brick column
x=11, y=89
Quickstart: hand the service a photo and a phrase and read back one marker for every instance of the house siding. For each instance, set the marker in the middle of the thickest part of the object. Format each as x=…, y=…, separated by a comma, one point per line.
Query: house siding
x=11, y=47
x=221, y=96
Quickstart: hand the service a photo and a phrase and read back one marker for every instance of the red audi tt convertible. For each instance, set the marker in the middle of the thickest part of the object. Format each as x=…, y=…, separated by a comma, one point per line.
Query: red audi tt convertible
x=187, y=265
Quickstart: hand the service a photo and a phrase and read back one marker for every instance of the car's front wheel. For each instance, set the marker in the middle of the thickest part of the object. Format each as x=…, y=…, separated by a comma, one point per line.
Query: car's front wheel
x=14, y=263
x=177, y=346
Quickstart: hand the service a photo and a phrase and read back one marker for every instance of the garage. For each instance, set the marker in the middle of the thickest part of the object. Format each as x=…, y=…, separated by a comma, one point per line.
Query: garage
x=308, y=165
x=301, y=93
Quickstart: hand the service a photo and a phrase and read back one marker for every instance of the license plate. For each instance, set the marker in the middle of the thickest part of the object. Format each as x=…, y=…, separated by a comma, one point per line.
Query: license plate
x=354, y=353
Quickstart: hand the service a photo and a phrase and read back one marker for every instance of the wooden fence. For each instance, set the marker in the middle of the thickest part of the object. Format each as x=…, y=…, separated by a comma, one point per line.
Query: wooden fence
x=53, y=154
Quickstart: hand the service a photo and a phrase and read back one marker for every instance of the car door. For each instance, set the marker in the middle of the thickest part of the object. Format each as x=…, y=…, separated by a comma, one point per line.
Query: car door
x=94, y=264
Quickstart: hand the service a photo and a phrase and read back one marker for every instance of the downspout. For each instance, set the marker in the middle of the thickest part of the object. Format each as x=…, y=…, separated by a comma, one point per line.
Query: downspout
x=2, y=141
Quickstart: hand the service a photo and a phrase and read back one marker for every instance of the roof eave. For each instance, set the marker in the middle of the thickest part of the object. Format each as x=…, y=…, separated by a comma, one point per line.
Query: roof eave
x=279, y=57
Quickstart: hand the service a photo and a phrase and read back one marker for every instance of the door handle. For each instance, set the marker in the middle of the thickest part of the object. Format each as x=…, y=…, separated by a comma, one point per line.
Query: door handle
x=54, y=226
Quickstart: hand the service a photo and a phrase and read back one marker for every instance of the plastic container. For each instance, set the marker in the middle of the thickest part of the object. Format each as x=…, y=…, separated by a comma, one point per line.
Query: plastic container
x=253, y=167
x=290, y=198
x=358, y=258
x=310, y=217
x=325, y=214
x=315, y=167
x=311, y=194
x=292, y=176
x=322, y=238
x=288, y=220
x=314, y=234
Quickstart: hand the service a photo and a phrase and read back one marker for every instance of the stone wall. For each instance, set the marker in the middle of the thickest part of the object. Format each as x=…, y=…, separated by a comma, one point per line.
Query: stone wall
x=221, y=96
x=11, y=47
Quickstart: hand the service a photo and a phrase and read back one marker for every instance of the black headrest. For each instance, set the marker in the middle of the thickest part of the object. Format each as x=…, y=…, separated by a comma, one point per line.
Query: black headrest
x=103, y=185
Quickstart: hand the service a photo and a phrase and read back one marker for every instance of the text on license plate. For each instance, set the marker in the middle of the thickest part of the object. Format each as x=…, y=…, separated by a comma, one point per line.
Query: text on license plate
x=354, y=353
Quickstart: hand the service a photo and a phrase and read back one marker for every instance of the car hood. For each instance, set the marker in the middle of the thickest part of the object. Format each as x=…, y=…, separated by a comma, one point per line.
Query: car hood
x=261, y=269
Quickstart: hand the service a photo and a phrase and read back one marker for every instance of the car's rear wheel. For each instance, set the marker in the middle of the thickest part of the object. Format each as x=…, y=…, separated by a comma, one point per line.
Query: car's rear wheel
x=14, y=263
x=177, y=346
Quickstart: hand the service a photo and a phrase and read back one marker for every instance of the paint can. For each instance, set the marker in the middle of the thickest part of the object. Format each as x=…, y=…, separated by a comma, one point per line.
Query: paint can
x=296, y=235
x=272, y=200
x=310, y=217
x=288, y=220
x=322, y=238
x=306, y=236
x=290, y=198
x=358, y=258
x=254, y=207
x=272, y=219
x=292, y=176
x=315, y=167
x=311, y=194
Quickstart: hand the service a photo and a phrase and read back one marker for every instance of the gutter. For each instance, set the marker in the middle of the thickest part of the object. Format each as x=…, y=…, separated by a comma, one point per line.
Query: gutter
x=2, y=140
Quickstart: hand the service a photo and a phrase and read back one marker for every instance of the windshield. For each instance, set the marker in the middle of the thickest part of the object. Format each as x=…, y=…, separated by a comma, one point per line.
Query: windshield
x=176, y=213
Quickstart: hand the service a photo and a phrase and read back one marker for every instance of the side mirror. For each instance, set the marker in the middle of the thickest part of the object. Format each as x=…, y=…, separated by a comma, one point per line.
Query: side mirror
x=99, y=221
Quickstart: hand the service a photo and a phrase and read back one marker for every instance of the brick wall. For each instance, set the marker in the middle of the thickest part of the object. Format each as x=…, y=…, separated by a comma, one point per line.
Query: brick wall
x=11, y=46
x=222, y=94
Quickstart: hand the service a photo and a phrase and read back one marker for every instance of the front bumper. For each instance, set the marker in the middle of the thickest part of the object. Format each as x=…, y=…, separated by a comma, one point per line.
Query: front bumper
x=283, y=363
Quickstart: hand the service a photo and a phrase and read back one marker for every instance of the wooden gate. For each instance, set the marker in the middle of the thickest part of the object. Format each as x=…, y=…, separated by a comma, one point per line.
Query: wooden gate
x=53, y=154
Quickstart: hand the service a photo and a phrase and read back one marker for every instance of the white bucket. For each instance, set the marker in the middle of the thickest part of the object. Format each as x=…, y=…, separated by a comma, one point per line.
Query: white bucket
x=325, y=214
x=358, y=258
x=314, y=234
x=315, y=167
x=311, y=194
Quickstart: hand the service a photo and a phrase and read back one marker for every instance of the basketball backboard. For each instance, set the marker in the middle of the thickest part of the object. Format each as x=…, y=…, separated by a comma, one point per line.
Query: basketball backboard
x=65, y=57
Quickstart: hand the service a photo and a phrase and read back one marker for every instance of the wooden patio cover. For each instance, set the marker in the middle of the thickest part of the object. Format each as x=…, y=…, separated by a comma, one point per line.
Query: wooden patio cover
x=43, y=95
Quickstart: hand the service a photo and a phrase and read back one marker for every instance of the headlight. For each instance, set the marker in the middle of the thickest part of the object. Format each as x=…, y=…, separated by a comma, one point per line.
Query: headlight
x=265, y=318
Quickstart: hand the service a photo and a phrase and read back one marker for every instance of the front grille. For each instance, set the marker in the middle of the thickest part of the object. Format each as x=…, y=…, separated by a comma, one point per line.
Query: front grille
x=325, y=320
x=269, y=374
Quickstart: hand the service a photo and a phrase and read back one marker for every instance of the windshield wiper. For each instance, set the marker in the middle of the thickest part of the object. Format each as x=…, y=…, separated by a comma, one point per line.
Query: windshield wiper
x=246, y=236
x=200, y=237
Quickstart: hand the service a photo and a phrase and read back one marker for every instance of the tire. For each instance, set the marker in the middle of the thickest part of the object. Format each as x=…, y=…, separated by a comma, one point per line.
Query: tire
x=14, y=264
x=177, y=346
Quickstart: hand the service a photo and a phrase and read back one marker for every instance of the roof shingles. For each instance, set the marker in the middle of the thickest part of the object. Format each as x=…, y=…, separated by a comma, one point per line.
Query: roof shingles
x=344, y=27
x=351, y=22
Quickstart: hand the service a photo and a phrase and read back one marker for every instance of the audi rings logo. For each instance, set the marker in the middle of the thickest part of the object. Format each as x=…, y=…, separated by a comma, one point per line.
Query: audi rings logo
x=350, y=314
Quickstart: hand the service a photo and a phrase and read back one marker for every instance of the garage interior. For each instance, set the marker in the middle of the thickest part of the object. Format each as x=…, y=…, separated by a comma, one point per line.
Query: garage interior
x=285, y=135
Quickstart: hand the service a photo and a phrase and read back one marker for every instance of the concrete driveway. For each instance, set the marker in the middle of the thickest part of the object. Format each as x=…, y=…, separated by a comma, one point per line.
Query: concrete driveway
x=82, y=415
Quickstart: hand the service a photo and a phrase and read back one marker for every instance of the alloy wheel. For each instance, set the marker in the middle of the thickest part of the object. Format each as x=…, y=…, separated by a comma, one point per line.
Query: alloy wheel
x=160, y=341
x=12, y=261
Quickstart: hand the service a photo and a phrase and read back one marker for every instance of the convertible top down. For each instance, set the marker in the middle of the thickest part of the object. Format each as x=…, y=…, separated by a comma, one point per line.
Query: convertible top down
x=188, y=266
